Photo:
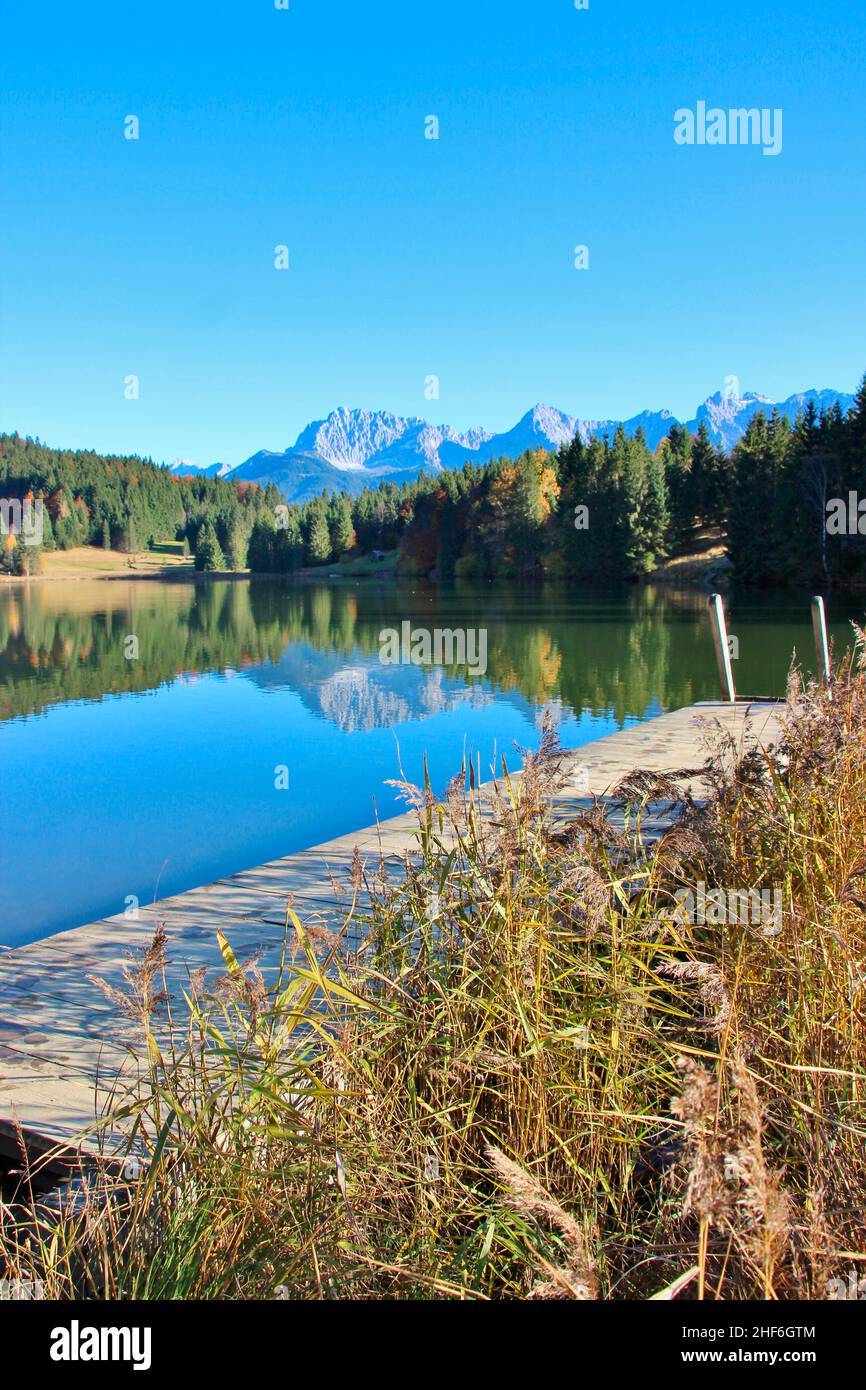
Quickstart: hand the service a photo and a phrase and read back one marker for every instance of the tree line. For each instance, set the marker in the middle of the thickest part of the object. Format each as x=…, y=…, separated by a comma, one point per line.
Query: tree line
x=612, y=508
x=786, y=500
x=122, y=503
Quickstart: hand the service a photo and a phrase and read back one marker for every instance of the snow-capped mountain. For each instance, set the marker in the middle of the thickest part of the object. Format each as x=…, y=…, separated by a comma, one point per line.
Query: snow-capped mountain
x=185, y=468
x=352, y=438
x=351, y=449
x=728, y=416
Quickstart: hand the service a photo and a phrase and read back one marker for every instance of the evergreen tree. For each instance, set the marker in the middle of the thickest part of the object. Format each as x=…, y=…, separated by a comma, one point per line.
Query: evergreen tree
x=678, y=467
x=654, y=517
x=260, y=551
x=526, y=513
x=208, y=555
x=855, y=436
x=318, y=539
x=340, y=525
x=753, y=504
x=238, y=541
x=702, y=476
x=128, y=541
x=604, y=510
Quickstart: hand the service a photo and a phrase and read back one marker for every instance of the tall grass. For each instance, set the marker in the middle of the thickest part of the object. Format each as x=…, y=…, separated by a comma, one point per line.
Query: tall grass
x=519, y=1070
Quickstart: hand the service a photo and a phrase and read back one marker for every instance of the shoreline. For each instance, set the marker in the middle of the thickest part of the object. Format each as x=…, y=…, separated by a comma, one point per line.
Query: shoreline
x=704, y=574
x=697, y=572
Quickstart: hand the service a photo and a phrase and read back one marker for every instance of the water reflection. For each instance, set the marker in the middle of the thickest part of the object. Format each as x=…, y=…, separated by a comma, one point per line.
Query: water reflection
x=604, y=653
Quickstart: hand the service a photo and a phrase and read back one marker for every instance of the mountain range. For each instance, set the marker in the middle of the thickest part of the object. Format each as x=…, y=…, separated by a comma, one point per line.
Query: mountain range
x=354, y=449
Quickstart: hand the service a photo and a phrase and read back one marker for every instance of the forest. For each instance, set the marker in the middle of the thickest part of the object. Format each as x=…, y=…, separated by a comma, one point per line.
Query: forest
x=786, y=502
x=124, y=503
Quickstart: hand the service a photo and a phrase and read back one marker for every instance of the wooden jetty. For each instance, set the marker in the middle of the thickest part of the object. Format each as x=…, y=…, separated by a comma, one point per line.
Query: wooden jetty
x=61, y=1039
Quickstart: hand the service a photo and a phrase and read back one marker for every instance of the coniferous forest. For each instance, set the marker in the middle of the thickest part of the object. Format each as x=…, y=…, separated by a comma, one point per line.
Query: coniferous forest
x=786, y=501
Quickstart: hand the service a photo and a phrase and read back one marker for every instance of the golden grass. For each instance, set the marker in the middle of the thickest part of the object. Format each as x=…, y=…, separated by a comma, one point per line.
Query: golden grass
x=534, y=1077
x=92, y=562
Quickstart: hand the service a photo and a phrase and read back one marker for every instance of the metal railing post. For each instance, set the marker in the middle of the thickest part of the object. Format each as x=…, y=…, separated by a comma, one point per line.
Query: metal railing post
x=822, y=646
x=723, y=651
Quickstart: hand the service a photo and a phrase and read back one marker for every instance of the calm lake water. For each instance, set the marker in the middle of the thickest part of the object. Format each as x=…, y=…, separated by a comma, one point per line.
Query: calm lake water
x=145, y=774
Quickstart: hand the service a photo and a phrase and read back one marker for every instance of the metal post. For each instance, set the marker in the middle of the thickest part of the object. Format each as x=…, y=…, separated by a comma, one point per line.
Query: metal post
x=723, y=651
x=819, y=627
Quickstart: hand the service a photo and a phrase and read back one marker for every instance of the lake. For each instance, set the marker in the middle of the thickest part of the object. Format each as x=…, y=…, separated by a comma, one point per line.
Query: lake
x=155, y=736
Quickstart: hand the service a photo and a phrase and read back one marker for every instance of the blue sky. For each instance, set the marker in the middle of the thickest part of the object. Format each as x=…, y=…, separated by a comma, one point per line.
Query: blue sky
x=412, y=257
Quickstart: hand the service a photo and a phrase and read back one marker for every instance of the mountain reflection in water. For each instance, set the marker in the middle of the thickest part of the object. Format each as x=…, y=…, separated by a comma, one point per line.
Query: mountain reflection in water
x=134, y=776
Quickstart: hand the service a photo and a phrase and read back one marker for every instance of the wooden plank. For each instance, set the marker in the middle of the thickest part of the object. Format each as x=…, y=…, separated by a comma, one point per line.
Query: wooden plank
x=58, y=1031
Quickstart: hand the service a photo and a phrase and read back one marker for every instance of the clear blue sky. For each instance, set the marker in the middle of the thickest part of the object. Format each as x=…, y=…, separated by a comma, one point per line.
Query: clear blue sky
x=412, y=257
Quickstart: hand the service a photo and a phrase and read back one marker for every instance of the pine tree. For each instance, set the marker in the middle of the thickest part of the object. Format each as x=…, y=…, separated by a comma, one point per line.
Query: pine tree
x=208, y=555
x=128, y=541
x=678, y=467
x=260, y=551
x=655, y=518
x=704, y=466
x=341, y=530
x=526, y=513
x=238, y=542
x=856, y=433
x=318, y=539
x=574, y=469
x=752, y=504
